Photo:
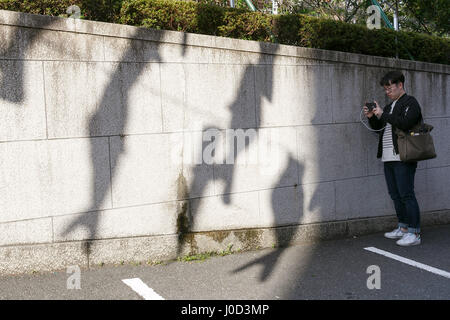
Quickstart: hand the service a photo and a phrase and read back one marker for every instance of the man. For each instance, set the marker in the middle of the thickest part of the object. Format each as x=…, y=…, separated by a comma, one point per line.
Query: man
x=402, y=113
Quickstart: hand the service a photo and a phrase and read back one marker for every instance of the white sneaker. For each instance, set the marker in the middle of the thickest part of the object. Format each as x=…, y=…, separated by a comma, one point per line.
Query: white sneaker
x=409, y=239
x=396, y=234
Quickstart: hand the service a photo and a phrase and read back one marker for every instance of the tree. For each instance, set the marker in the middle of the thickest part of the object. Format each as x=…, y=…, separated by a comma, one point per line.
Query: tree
x=432, y=17
x=425, y=16
x=351, y=11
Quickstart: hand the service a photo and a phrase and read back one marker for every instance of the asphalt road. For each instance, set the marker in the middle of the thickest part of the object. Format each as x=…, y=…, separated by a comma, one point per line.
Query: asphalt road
x=335, y=269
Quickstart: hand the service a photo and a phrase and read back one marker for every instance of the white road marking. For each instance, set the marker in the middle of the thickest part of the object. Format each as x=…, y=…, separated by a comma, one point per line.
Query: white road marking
x=410, y=262
x=142, y=289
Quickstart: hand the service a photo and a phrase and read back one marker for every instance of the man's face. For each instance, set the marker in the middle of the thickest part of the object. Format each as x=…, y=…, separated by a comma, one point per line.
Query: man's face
x=394, y=91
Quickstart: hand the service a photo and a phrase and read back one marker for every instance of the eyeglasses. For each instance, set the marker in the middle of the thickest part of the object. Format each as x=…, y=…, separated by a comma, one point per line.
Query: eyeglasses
x=389, y=88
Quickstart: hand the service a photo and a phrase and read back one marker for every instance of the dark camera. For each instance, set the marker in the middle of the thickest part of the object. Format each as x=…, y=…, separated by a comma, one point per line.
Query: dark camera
x=371, y=106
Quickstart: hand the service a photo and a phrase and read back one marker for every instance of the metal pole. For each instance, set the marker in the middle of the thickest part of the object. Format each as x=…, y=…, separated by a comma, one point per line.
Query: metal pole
x=386, y=19
x=396, y=27
x=396, y=16
x=274, y=7
x=250, y=5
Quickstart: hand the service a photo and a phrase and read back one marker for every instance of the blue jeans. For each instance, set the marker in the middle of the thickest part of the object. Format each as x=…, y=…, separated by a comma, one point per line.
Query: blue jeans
x=400, y=182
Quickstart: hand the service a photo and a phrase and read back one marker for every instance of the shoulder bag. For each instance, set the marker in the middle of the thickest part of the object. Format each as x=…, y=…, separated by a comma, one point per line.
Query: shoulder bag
x=416, y=144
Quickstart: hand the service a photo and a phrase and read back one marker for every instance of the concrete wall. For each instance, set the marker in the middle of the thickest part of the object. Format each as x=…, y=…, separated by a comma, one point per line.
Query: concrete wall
x=100, y=123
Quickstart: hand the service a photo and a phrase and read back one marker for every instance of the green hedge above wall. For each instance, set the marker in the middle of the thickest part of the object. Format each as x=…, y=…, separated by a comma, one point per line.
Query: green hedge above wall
x=98, y=10
x=299, y=30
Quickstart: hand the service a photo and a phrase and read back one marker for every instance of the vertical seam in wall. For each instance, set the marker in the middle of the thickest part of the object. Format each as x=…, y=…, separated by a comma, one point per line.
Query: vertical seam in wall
x=183, y=104
x=45, y=100
x=53, y=230
x=110, y=171
x=213, y=167
x=330, y=75
x=259, y=206
x=298, y=157
x=299, y=183
x=335, y=200
x=160, y=98
x=183, y=129
x=183, y=66
x=257, y=125
x=104, y=50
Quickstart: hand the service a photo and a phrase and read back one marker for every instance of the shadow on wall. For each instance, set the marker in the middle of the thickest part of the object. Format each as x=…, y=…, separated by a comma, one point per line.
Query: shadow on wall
x=284, y=200
x=341, y=159
x=12, y=71
x=200, y=181
x=280, y=203
x=124, y=77
x=109, y=105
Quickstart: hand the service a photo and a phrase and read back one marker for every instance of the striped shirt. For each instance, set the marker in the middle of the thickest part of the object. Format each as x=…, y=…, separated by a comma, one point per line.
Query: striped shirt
x=388, y=145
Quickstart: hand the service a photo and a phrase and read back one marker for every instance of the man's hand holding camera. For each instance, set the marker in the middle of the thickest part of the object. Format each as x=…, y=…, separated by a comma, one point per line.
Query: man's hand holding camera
x=372, y=108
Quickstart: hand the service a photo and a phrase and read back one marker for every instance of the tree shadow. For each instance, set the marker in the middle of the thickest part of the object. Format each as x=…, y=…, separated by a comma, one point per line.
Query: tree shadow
x=224, y=172
x=282, y=203
x=12, y=80
x=123, y=79
x=338, y=156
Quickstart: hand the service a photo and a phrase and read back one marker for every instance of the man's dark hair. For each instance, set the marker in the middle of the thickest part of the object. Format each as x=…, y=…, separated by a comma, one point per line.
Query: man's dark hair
x=392, y=77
